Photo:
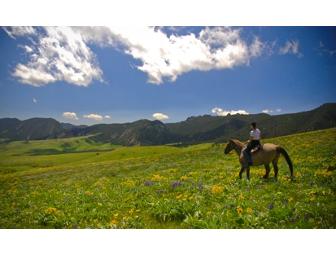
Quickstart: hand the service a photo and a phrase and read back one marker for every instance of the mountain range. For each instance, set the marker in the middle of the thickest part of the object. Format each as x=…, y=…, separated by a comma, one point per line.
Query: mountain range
x=196, y=129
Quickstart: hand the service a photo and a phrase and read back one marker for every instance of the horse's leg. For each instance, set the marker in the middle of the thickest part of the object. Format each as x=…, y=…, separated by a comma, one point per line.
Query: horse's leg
x=276, y=169
x=248, y=173
x=268, y=169
x=241, y=172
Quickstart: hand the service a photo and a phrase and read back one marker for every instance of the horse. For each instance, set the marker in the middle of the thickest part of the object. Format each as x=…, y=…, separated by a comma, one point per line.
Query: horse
x=268, y=153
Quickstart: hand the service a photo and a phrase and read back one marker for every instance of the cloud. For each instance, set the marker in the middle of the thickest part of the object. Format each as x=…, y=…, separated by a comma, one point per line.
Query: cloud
x=160, y=116
x=70, y=115
x=14, y=32
x=322, y=49
x=64, y=54
x=291, y=47
x=107, y=117
x=34, y=100
x=93, y=116
x=60, y=54
x=167, y=57
x=256, y=48
x=267, y=111
x=220, y=112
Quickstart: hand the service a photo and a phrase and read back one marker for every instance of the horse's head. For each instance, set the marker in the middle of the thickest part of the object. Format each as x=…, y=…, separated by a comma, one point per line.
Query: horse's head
x=229, y=147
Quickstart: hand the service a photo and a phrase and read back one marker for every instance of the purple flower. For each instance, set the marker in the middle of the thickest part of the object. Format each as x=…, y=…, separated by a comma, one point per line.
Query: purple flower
x=148, y=183
x=270, y=206
x=176, y=184
x=200, y=186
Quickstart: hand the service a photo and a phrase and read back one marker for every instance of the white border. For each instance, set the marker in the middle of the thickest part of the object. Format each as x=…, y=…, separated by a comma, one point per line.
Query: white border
x=169, y=12
x=170, y=242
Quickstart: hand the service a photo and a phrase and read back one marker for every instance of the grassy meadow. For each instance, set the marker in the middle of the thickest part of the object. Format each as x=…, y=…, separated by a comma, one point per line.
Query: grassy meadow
x=76, y=183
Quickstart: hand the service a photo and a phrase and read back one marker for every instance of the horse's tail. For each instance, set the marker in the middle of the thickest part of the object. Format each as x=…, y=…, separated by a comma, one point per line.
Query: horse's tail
x=283, y=152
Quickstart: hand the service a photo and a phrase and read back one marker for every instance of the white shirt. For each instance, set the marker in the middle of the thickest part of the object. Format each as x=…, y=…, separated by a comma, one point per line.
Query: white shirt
x=255, y=134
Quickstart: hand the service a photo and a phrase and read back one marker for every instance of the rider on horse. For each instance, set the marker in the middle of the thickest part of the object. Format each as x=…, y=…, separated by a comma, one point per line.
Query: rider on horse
x=254, y=142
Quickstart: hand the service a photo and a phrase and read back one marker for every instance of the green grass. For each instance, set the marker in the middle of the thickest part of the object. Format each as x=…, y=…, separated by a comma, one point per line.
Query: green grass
x=74, y=183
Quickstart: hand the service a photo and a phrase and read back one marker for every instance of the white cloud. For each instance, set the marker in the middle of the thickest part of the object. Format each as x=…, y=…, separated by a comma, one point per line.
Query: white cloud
x=93, y=116
x=34, y=100
x=164, y=56
x=291, y=47
x=256, y=47
x=63, y=53
x=27, y=48
x=160, y=116
x=70, y=115
x=14, y=32
x=267, y=111
x=220, y=112
x=107, y=117
x=322, y=49
x=60, y=55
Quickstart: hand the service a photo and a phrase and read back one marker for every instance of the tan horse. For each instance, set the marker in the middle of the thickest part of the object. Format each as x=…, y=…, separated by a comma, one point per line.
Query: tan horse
x=269, y=153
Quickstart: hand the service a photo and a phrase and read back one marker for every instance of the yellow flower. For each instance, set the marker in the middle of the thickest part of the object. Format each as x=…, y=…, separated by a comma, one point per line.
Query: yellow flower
x=239, y=210
x=129, y=183
x=114, y=222
x=215, y=189
x=88, y=193
x=157, y=177
x=249, y=210
x=51, y=210
x=184, y=178
x=180, y=196
x=241, y=196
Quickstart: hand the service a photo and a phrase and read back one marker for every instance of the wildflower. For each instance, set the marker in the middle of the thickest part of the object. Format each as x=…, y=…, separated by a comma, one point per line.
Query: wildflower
x=129, y=183
x=148, y=183
x=239, y=210
x=215, y=189
x=88, y=193
x=249, y=210
x=51, y=210
x=157, y=177
x=180, y=196
x=184, y=178
x=114, y=222
x=270, y=206
x=241, y=196
x=176, y=184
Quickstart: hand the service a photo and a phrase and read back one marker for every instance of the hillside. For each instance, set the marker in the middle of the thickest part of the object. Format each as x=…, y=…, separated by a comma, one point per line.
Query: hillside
x=197, y=129
x=77, y=183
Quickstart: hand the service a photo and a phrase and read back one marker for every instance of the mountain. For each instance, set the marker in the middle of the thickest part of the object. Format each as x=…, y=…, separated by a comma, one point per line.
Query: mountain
x=30, y=129
x=195, y=129
x=216, y=128
x=141, y=132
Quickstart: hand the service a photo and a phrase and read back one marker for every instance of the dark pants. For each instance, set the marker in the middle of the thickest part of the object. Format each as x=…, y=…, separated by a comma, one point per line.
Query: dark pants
x=247, y=152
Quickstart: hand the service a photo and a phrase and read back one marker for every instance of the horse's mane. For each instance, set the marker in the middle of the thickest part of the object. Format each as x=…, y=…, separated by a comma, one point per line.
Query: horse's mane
x=236, y=141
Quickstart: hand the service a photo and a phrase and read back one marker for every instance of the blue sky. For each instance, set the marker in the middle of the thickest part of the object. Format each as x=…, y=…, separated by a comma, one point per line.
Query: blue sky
x=106, y=75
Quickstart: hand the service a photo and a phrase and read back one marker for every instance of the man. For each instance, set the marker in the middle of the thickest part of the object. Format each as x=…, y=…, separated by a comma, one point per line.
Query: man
x=253, y=142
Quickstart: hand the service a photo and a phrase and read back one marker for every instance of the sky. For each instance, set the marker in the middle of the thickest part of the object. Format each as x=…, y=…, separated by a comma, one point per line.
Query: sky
x=89, y=75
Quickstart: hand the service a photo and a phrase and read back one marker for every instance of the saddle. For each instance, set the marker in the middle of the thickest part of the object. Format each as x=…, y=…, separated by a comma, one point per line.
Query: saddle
x=256, y=149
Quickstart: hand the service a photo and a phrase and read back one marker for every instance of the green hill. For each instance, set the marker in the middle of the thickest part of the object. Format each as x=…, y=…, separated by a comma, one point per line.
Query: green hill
x=79, y=183
x=197, y=129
